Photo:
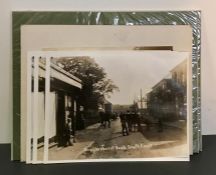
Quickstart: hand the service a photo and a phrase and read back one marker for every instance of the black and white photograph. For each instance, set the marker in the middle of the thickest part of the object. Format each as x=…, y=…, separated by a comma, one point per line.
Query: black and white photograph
x=115, y=105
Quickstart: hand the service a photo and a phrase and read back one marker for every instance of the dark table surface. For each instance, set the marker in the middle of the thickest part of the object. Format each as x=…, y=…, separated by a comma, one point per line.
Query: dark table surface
x=200, y=164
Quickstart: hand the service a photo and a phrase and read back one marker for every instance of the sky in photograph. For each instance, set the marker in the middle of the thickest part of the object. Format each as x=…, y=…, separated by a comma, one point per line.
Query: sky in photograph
x=134, y=70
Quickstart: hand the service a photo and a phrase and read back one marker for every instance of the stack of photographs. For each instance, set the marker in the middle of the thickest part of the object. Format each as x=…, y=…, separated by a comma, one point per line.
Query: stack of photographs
x=92, y=93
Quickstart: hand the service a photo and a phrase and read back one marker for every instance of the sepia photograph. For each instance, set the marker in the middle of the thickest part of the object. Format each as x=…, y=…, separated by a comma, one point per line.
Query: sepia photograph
x=120, y=46
x=114, y=105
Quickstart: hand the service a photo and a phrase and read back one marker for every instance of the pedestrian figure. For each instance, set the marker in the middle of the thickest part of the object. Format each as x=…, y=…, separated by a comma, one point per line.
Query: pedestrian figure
x=80, y=124
x=147, y=121
x=67, y=133
x=129, y=120
x=135, y=121
x=124, y=123
x=107, y=119
x=102, y=117
x=72, y=126
x=160, y=125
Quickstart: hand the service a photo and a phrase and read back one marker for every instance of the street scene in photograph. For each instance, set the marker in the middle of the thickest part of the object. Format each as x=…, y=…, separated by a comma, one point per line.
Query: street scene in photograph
x=116, y=105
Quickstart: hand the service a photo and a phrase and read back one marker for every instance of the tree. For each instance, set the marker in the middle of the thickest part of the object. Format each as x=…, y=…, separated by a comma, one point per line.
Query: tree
x=96, y=85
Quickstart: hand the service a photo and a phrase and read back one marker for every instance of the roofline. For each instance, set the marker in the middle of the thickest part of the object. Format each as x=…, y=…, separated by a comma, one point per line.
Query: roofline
x=60, y=70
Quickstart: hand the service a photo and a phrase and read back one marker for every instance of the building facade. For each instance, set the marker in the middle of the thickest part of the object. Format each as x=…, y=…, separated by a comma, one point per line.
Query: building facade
x=168, y=98
x=64, y=96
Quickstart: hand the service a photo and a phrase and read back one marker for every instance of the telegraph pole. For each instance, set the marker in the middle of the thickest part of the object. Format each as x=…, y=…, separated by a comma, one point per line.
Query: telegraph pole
x=141, y=99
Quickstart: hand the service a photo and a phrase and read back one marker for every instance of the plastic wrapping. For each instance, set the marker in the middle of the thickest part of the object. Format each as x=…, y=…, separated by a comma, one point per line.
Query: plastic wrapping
x=191, y=18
